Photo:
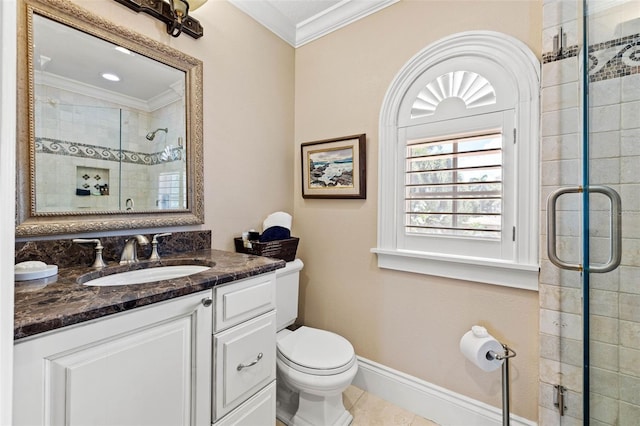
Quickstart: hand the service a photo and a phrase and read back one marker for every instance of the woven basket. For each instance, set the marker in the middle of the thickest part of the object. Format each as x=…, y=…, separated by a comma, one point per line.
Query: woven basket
x=279, y=249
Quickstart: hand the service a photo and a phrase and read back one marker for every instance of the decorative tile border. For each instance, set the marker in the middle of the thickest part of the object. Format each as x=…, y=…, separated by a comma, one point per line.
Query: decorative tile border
x=615, y=58
x=568, y=52
x=75, y=149
x=612, y=59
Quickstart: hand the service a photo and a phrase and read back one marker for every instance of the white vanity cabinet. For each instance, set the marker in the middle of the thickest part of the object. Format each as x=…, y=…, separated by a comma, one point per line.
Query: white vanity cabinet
x=208, y=357
x=147, y=366
x=244, y=352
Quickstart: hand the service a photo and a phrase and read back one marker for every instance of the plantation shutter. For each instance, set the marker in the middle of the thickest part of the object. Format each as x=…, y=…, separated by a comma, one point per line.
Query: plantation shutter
x=453, y=186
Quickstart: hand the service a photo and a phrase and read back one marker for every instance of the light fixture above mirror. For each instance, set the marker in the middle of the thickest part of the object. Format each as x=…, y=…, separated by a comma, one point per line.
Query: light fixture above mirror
x=174, y=13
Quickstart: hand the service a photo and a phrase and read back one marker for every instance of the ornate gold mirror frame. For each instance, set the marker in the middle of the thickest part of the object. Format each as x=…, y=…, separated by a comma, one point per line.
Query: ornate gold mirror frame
x=29, y=222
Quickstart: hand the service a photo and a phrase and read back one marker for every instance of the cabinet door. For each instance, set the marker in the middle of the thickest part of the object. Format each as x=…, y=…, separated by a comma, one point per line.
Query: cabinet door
x=149, y=366
x=260, y=409
x=244, y=362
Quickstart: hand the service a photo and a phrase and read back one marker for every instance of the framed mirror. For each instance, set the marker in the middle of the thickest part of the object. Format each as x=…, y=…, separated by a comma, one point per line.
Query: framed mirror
x=109, y=126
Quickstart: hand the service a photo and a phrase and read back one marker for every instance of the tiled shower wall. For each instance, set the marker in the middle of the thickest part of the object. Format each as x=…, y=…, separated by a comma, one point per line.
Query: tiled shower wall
x=73, y=130
x=614, y=99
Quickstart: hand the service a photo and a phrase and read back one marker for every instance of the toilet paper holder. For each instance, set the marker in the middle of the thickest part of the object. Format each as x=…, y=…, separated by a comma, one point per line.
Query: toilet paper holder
x=477, y=344
x=508, y=353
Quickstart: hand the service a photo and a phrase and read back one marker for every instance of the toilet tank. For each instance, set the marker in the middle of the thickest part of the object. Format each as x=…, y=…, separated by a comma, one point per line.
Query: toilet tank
x=287, y=282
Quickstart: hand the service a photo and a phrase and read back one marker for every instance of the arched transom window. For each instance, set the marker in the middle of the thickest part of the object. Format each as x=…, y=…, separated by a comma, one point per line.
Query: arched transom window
x=471, y=88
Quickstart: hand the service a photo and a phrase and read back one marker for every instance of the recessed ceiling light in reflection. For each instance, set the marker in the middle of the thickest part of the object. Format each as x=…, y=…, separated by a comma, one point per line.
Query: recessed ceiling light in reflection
x=110, y=76
x=123, y=50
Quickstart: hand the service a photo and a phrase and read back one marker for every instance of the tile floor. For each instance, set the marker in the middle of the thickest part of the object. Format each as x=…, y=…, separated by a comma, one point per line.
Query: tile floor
x=370, y=410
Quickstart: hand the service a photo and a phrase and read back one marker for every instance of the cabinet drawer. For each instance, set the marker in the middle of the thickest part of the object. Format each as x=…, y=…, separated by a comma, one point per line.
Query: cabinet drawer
x=260, y=409
x=243, y=300
x=244, y=362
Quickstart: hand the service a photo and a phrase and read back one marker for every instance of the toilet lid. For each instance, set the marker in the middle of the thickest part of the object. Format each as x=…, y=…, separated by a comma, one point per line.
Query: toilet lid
x=315, y=349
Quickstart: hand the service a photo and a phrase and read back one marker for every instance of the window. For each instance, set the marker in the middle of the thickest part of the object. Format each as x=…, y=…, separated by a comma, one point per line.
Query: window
x=459, y=162
x=172, y=193
x=453, y=186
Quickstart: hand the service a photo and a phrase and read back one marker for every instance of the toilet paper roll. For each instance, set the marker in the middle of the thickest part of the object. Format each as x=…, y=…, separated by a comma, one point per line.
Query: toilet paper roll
x=476, y=344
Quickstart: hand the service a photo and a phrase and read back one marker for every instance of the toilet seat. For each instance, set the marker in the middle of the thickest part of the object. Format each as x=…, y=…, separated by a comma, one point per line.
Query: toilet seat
x=316, y=352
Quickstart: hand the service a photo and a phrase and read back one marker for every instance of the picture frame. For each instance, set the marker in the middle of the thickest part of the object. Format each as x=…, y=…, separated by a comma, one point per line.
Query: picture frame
x=335, y=168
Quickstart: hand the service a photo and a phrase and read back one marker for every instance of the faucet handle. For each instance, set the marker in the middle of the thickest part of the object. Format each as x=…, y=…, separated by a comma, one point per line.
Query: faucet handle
x=155, y=237
x=98, y=262
x=154, y=243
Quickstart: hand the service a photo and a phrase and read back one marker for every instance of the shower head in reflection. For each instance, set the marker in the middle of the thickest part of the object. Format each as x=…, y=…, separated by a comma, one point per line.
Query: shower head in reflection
x=152, y=135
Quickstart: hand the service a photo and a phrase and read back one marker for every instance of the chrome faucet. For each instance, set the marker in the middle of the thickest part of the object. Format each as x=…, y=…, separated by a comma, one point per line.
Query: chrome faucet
x=130, y=250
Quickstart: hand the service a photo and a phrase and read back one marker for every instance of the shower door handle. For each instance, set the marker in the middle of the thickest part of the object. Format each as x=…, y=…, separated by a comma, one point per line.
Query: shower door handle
x=552, y=201
x=615, y=229
x=615, y=252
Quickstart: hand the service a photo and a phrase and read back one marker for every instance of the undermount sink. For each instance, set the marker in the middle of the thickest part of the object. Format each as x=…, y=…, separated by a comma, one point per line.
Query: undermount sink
x=141, y=276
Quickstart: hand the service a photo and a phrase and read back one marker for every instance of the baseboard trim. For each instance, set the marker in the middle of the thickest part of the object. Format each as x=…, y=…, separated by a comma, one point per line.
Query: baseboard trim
x=427, y=400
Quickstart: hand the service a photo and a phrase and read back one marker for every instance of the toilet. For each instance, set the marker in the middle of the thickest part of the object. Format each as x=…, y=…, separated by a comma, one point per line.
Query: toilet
x=314, y=366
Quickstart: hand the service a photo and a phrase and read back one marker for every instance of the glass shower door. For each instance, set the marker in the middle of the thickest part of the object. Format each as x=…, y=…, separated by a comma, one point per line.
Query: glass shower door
x=611, y=153
x=590, y=321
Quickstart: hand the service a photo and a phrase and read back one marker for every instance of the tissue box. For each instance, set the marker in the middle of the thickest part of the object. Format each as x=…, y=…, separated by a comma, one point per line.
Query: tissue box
x=279, y=249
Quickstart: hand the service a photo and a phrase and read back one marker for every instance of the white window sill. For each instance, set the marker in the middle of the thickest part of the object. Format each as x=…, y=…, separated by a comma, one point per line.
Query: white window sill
x=508, y=274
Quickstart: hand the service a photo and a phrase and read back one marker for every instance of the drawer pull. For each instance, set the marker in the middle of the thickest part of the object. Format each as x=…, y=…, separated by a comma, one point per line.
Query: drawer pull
x=207, y=301
x=251, y=364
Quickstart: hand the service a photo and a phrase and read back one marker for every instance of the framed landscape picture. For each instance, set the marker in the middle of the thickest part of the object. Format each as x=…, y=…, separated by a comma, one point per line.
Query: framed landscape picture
x=334, y=168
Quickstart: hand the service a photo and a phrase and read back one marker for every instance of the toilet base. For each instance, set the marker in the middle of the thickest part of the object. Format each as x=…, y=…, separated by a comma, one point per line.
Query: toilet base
x=286, y=402
x=303, y=409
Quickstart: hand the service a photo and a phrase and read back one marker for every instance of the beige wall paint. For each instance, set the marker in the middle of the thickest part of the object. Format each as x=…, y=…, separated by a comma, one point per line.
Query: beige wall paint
x=248, y=112
x=410, y=322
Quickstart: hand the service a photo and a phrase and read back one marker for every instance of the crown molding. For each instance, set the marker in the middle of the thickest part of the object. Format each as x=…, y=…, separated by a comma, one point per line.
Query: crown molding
x=342, y=14
x=331, y=19
x=270, y=17
x=159, y=101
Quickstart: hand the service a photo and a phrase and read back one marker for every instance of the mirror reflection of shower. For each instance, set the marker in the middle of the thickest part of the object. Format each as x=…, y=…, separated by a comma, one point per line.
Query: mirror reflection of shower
x=152, y=135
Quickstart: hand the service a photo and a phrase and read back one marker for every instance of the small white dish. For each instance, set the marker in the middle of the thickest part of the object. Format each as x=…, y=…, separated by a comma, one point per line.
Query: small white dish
x=33, y=270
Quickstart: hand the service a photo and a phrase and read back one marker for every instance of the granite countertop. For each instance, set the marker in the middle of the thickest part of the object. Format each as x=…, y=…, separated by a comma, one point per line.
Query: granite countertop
x=59, y=301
